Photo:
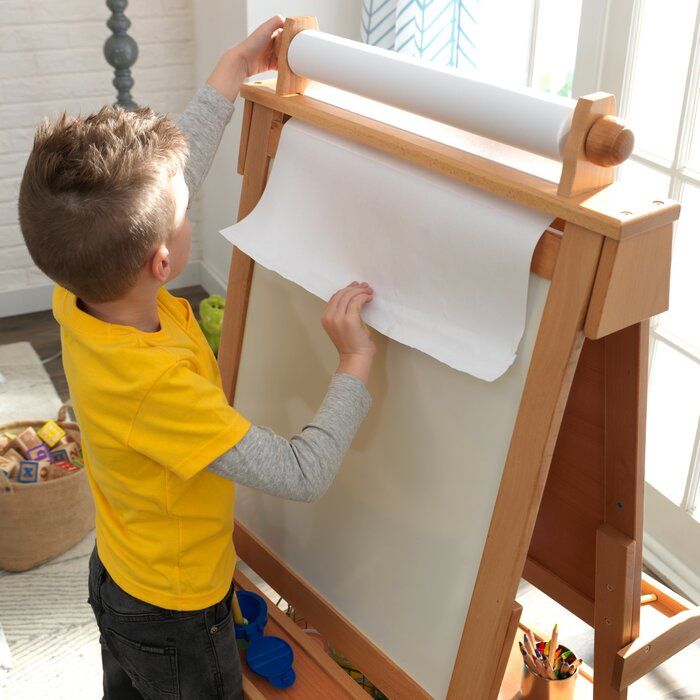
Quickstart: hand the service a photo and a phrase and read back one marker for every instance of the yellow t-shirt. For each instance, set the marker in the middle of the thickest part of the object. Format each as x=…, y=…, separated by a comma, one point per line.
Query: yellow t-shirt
x=153, y=416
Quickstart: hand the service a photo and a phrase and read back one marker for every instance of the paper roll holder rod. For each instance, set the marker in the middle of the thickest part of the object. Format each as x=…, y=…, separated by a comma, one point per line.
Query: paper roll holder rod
x=607, y=141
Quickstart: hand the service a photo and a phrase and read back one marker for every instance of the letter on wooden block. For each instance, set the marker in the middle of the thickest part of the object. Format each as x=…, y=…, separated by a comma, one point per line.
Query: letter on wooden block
x=40, y=453
x=51, y=432
x=28, y=472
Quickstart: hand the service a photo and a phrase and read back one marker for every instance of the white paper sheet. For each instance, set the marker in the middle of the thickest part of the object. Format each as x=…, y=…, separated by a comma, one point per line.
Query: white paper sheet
x=529, y=119
x=449, y=263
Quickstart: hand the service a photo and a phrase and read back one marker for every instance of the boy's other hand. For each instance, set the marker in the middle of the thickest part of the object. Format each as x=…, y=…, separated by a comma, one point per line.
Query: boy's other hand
x=258, y=49
x=349, y=334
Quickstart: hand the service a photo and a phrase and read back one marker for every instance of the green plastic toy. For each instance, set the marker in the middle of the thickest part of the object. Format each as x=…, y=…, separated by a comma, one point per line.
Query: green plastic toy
x=211, y=314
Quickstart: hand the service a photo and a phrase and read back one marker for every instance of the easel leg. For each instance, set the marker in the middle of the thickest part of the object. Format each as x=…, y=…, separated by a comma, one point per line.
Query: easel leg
x=626, y=378
x=507, y=647
x=618, y=541
x=614, y=606
x=240, y=276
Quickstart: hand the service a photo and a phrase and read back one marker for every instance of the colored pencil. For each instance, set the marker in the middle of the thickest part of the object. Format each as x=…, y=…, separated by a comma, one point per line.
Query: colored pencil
x=553, y=644
x=548, y=669
x=236, y=609
x=529, y=645
x=526, y=658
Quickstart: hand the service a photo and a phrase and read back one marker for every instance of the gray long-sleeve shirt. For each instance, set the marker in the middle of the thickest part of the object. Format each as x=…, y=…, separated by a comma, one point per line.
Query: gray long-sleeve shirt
x=304, y=467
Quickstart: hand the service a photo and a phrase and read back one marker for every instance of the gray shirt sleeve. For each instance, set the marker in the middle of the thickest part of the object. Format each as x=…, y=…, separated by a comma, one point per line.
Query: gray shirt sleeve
x=203, y=123
x=300, y=469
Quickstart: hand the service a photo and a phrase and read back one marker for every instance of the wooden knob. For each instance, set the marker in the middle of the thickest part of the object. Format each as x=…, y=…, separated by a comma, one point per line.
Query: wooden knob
x=609, y=142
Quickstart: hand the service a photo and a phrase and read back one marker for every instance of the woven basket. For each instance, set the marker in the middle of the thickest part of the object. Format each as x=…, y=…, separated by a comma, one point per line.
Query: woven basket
x=40, y=521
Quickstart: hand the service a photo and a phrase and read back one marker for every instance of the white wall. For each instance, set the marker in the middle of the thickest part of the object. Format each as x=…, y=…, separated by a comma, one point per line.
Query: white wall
x=51, y=60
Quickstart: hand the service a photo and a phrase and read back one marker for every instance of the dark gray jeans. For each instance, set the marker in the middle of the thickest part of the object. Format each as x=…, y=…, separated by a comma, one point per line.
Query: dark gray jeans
x=157, y=654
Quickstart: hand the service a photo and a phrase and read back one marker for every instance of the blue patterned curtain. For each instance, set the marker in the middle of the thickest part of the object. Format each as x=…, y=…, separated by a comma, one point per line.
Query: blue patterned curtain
x=439, y=31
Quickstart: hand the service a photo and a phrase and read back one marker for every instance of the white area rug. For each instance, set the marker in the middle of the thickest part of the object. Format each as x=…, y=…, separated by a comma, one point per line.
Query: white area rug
x=51, y=630
x=47, y=623
x=26, y=392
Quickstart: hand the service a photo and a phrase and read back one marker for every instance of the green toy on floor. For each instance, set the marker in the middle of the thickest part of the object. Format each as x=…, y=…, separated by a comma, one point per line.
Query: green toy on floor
x=211, y=314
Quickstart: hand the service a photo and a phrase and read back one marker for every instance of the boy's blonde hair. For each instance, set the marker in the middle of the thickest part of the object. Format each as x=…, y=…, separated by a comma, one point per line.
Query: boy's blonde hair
x=96, y=198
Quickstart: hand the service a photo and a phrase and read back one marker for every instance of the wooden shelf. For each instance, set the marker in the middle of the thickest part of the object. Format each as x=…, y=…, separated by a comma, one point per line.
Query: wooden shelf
x=318, y=676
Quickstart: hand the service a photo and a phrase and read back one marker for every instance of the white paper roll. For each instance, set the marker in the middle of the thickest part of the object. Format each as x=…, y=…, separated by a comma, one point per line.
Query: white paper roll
x=449, y=263
x=521, y=117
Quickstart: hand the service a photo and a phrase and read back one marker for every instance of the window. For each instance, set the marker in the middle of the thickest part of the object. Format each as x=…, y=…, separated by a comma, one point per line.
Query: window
x=655, y=70
x=536, y=46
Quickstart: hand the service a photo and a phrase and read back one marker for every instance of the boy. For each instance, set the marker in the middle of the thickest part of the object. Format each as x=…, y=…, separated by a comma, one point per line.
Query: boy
x=103, y=211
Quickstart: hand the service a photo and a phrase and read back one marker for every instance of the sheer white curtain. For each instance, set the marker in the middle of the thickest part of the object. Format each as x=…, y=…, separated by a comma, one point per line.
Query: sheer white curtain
x=440, y=31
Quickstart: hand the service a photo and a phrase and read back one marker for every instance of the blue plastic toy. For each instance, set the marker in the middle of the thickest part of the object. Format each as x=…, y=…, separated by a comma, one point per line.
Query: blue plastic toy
x=269, y=657
x=255, y=611
x=272, y=658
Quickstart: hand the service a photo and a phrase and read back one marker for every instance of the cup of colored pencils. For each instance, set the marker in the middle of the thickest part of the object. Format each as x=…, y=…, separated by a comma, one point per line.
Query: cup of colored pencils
x=549, y=668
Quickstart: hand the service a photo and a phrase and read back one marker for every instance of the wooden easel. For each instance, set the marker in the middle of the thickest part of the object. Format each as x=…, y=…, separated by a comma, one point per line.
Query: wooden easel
x=610, y=272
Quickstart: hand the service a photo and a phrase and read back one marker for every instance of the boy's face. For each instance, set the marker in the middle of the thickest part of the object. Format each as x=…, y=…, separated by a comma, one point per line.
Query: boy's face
x=181, y=240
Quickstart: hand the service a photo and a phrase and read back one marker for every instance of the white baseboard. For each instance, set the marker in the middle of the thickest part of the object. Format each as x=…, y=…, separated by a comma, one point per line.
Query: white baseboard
x=672, y=569
x=27, y=301
x=210, y=280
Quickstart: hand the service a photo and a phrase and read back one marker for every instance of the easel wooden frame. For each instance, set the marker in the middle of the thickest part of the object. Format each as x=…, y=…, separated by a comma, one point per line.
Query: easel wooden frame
x=610, y=272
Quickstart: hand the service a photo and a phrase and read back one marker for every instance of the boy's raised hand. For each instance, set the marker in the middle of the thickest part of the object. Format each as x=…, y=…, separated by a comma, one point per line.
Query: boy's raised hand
x=253, y=55
x=349, y=334
x=257, y=50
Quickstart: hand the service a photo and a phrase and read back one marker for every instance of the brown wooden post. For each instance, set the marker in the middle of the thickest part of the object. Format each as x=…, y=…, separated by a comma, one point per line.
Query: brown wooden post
x=241, y=272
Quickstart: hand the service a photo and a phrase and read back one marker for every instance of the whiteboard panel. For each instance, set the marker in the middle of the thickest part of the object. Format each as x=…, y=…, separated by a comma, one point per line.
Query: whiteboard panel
x=396, y=542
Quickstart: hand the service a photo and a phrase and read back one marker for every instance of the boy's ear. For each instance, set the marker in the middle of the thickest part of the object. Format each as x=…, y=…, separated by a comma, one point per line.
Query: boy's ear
x=160, y=263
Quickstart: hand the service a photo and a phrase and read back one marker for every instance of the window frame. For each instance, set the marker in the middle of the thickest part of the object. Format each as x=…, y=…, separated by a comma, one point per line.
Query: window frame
x=608, y=42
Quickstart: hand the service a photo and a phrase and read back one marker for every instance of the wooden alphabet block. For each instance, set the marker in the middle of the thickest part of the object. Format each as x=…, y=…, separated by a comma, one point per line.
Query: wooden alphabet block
x=40, y=453
x=59, y=469
x=51, y=433
x=28, y=472
x=55, y=472
x=60, y=455
x=14, y=456
x=73, y=450
x=8, y=468
x=5, y=441
x=73, y=436
x=26, y=440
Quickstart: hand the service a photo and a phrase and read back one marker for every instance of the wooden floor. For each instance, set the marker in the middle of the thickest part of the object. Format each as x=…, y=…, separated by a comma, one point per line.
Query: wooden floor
x=41, y=330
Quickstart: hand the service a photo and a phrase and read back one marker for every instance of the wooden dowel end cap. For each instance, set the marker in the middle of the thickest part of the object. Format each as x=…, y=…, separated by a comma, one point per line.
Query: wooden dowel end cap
x=609, y=142
x=288, y=83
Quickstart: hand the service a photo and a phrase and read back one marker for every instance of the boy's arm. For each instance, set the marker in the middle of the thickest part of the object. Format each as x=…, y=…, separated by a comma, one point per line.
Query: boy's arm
x=206, y=116
x=302, y=468
x=203, y=123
